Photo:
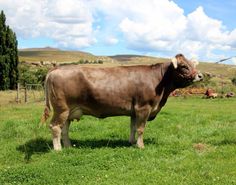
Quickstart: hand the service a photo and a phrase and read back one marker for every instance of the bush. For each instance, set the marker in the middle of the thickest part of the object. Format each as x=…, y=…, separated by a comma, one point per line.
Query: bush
x=41, y=74
x=234, y=80
x=31, y=75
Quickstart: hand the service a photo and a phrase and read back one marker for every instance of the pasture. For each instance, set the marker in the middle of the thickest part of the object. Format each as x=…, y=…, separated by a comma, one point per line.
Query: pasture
x=192, y=141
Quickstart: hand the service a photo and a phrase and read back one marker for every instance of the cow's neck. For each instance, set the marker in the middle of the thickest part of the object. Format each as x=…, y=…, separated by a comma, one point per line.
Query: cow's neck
x=165, y=85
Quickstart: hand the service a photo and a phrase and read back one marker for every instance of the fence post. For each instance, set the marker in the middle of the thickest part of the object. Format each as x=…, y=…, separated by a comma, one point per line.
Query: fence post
x=18, y=93
x=26, y=98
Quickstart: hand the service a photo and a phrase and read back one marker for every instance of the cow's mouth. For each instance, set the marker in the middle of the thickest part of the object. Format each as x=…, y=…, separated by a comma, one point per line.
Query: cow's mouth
x=198, y=77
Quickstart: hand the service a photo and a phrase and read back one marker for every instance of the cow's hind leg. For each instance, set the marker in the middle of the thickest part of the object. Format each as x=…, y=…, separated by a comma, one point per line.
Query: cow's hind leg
x=65, y=135
x=57, y=123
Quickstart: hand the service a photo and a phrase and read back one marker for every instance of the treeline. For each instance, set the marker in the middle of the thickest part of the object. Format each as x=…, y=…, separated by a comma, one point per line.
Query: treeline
x=8, y=56
x=84, y=61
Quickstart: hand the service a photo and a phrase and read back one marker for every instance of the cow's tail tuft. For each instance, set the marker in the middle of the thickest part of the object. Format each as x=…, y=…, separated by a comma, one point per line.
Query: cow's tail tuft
x=47, y=109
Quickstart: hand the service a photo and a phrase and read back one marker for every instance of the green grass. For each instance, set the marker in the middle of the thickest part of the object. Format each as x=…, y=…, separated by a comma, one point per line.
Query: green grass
x=192, y=141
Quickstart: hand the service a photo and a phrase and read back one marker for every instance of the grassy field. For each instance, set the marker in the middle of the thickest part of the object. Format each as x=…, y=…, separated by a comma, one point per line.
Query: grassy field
x=192, y=141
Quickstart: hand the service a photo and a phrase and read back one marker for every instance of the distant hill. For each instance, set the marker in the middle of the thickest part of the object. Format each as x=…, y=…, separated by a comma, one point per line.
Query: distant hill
x=123, y=58
x=55, y=55
x=40, y=49
x=61, y=56
x=137, y=59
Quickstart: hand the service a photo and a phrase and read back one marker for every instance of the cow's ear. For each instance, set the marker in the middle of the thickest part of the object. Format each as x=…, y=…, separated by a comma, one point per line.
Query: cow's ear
x=174, y=62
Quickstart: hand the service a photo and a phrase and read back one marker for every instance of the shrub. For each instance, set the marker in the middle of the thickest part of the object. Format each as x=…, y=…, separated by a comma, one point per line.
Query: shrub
x=31, y=75
x=234, y=80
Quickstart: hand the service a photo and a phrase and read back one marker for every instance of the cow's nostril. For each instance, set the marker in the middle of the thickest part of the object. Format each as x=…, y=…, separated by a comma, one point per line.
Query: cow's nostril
x=200, y=76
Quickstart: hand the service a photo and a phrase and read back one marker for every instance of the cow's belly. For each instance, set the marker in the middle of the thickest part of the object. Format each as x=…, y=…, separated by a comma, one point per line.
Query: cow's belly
x=102, y=112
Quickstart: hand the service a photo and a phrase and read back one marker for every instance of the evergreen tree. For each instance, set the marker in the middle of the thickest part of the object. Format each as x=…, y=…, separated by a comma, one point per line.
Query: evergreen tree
x=8, y=56
x=2, y=32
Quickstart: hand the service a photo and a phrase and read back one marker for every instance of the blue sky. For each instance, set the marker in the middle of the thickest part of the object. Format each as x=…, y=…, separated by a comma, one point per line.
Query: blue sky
x=217, y=9
x=203, y=29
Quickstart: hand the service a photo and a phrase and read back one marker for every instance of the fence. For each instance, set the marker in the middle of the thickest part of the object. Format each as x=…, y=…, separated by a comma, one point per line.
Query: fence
x=29, y=93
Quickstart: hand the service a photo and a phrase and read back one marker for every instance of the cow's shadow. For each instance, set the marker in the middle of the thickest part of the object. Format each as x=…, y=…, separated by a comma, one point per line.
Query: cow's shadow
x=106, y=143
x=35, y=146
x=41, y=145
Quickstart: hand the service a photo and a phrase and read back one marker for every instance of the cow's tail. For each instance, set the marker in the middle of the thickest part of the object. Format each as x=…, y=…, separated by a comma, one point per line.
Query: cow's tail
x=47, y=108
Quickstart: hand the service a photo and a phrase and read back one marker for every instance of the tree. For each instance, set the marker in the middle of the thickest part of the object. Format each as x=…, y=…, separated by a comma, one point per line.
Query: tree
x=8, y=56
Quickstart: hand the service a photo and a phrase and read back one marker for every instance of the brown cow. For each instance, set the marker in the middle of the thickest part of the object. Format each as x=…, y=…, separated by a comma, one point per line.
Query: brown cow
x=136, y=91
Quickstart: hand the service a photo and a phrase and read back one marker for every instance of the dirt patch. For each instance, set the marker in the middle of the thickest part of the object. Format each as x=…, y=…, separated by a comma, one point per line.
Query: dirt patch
x=200, y=147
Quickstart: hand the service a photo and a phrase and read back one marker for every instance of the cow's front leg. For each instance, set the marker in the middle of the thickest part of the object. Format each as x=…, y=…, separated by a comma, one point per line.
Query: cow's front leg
x=65, y=135
x=140, y=131
x=132, y=130
x=142, y=114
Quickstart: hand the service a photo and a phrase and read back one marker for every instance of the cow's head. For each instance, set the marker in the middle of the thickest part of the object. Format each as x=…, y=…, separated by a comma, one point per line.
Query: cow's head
x=185, y=72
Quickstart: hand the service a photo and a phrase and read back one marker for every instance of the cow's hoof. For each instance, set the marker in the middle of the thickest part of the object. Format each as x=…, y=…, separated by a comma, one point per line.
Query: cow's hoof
x=140, y=146
x=57, y=149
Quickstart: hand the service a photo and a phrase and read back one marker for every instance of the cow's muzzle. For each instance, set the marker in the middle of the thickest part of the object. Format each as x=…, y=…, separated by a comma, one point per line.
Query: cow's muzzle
x=198, y=77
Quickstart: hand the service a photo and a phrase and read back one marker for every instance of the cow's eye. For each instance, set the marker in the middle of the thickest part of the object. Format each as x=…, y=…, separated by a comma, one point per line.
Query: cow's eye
x=184, y=67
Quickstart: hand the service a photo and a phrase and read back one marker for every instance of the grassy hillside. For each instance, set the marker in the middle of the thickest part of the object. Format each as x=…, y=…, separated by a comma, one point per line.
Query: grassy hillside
x=221, y=70
x=59, y=56
x=192, y=141
x=52, y=54
x=137, y=59
x=55, y=55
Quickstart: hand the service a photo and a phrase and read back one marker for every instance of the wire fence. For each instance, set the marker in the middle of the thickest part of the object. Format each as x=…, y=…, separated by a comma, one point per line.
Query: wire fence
x=29, y=93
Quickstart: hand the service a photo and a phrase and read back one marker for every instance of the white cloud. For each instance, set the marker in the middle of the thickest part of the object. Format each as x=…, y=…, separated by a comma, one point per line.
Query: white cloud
x=111, y=40
x=69, y=23
x=163, y=26
x=24, y=16
x=144, y=25
x=154, y=26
